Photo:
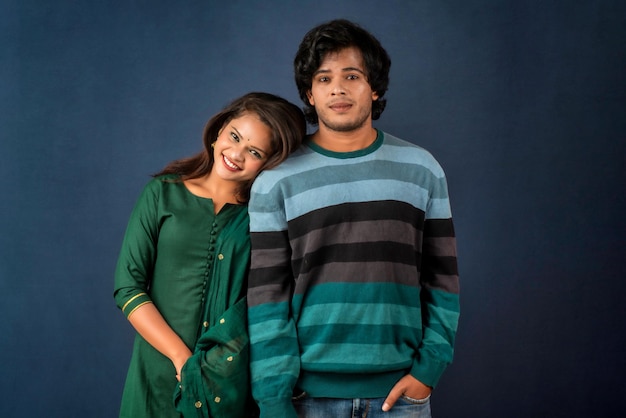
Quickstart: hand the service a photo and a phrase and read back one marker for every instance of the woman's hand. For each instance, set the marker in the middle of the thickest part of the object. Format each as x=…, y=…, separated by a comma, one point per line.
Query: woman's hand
x=180, y=361
x=151, y=325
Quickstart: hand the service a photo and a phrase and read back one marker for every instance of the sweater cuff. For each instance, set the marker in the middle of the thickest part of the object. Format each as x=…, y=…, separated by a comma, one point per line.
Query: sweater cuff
x=135, y=302
x=280, y=407
x=428, y=372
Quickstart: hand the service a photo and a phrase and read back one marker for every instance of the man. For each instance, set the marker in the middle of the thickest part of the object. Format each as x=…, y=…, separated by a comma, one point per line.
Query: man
x=353, y=288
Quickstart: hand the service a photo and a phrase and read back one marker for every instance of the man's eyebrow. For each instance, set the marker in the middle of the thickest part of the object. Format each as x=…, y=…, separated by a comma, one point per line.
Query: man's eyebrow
x=344, y=70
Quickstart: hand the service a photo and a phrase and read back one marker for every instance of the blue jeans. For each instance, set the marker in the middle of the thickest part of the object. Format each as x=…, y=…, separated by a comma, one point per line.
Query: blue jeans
x=360, y=408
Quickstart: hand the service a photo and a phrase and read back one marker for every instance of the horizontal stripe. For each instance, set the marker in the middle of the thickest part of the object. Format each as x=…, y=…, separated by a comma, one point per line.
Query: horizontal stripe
x=280, y=277
x=269, y=240
x=268, y=330
x=395, y=153
x=442, y=246
x=283, y=364
x=438, y=228
x=132, y=299
x=344, y=355
x=440, y=264
x=357, y=191
x=358, y=252
x=358, y=313
x=444, y=282
x=267, y=258
x=354, y=272
x=360, y=334
x=373, y=293
x=366, y=215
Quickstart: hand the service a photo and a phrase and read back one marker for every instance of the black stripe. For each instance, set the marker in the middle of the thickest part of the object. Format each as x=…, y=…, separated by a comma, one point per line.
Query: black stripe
x=356, y=212
x=438, y=228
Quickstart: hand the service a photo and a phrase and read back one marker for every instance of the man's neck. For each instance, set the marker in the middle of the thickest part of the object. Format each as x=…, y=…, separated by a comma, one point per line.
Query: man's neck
x=336, y=141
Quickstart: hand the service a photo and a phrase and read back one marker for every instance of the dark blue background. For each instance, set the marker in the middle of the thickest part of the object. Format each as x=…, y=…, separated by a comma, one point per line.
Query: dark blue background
x=523, y=103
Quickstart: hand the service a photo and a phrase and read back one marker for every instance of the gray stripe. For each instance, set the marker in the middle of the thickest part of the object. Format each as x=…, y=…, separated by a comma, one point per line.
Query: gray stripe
x=440, y=246
x=271, y=293
x=367, y=231
x=445, y=282
x=269, y=258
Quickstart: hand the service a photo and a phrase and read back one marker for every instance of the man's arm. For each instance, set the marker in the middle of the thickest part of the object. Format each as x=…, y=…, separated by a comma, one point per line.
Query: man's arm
x=439, y=298
x=274, y=352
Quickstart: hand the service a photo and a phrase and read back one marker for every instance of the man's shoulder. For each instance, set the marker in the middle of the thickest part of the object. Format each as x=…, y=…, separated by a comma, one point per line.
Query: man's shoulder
x=300, y=160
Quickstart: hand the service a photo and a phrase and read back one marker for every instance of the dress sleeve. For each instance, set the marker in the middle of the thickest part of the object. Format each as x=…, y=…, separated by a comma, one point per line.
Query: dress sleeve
x=275, y=360
x=137, y=255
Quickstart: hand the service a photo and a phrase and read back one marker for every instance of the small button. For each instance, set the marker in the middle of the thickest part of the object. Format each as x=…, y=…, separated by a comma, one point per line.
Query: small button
x=217, y=399
x=220, y=256
x=198, y=404
x=205, y=324
x=229, y=358
x=222, y=321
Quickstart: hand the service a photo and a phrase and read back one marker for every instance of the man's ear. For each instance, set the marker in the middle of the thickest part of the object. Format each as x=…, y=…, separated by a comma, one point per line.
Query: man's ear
x=374, y=96
x=310, y=97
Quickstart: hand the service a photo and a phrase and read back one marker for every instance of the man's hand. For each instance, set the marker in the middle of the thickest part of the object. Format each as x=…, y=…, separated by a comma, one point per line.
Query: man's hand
x=408, y=386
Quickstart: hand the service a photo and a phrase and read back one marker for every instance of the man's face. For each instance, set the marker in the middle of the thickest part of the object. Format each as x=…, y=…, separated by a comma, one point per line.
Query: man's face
x=340, y=91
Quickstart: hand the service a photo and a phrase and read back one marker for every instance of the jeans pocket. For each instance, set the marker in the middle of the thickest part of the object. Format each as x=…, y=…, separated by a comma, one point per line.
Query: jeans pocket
x=298, y=396
x=415, y=401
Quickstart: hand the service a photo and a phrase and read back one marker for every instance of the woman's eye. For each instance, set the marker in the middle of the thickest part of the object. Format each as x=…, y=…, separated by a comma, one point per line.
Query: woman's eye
x=256, y=154
x=234, y=137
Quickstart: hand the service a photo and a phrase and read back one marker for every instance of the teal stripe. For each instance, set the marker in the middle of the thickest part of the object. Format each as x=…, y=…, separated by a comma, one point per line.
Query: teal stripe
x=267, y=312
x=362, y=293
x=444, y=317
x=347, y=354
x=445, y=300
x=267, y=330
x=358, y=313
x=285, y=365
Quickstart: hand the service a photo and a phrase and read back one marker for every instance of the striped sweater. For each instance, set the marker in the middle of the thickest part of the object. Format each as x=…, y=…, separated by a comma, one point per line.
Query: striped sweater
x=353, y=280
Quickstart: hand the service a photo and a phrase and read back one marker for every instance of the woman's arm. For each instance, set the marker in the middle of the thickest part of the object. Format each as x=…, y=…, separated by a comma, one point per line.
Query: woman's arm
x=149, y=323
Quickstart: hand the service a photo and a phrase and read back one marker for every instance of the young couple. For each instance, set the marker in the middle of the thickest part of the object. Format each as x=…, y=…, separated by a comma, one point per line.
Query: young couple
x=344, y=246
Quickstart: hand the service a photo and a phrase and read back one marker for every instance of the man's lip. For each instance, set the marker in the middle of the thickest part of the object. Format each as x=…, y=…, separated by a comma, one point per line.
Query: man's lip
x=340, y=106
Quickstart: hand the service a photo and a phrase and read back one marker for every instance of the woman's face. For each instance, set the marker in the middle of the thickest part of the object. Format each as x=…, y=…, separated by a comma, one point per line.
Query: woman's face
x=242, y=148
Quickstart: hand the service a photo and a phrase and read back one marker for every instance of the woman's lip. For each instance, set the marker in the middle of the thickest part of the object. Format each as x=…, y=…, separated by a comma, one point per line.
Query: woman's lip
x=229, y=164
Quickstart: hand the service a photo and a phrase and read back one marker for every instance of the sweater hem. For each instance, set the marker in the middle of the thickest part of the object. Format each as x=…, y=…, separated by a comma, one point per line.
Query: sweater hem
x=348, y=385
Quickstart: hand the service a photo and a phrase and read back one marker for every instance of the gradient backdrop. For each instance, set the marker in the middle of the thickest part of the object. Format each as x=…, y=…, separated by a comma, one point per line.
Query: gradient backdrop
x=523, y=102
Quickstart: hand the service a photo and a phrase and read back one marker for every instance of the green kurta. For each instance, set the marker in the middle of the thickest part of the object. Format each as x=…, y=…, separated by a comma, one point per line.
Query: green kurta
x=176, y=252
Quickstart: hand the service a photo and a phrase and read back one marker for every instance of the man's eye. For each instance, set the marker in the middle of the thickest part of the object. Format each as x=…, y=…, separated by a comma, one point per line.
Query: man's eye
x=352, y=77
x=323, y=79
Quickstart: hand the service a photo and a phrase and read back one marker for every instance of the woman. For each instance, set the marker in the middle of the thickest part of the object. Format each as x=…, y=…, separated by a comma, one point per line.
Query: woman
x=180, y=276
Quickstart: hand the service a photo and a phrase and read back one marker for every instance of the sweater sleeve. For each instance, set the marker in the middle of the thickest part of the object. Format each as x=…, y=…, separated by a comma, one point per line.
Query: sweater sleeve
x=138, y=253
x=440, y=289
x=275, y=360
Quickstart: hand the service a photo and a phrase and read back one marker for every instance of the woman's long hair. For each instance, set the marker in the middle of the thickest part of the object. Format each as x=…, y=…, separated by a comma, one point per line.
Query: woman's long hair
x=285, y=120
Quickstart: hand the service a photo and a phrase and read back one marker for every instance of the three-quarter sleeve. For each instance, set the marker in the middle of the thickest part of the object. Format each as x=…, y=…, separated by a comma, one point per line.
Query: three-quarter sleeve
x=137, y=255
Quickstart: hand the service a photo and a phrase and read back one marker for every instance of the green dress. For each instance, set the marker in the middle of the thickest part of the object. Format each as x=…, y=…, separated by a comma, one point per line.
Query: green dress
x=181, y=256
